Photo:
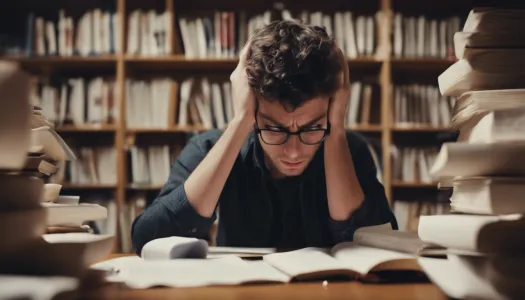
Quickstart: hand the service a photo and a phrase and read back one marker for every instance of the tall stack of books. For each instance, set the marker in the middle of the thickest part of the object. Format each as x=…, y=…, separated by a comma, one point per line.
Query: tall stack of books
x=30, y=152
x=486, y=166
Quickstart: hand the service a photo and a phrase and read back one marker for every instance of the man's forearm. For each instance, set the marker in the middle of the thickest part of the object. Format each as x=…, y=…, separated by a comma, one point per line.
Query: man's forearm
x=204, y=186
x=344, y=192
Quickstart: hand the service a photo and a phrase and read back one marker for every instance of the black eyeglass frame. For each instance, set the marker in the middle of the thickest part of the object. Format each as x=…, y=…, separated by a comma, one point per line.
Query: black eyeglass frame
x=259, y=131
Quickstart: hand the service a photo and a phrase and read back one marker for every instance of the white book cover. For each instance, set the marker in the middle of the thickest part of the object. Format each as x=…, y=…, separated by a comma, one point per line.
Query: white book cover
x=200, y=38
x=361, y=35
x=144, y=34
x=51, y=39
x=189, y=52
x=355, y=99
x=370, y=36
x=217, y=29
x=421, y=36
x=398, y=35
x=40, y=36
x=90, y=33
x=97, y=31
x=63, y=104
x=433, y=40
x=339, y=32
x=443, y=42
x=133, y=32
x=62, y=33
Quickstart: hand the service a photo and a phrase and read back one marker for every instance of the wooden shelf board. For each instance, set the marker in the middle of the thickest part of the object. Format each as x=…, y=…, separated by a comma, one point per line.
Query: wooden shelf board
x=421, y=129
x=139, y=187
x=85, y=128
x=94, y=186
x=166, y=130
x=420, y=64
x=182, y=62
x=404, y=184
x=42, y=64
x=366, y=128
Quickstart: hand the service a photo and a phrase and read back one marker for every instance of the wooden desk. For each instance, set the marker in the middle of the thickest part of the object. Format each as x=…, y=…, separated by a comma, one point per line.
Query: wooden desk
x=310, y=290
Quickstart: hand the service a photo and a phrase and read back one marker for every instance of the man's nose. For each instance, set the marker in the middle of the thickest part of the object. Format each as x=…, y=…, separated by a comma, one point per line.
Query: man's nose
x=292, y=147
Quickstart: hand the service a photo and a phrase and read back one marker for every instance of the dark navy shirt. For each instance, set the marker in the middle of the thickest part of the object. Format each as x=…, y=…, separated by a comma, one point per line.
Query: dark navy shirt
x=259, y=211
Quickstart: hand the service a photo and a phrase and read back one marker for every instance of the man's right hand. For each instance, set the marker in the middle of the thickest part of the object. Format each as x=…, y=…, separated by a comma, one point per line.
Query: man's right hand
x=243, y=97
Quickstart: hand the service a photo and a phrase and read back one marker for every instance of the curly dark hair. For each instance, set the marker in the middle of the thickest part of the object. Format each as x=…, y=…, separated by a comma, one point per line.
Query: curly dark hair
x=292, y=62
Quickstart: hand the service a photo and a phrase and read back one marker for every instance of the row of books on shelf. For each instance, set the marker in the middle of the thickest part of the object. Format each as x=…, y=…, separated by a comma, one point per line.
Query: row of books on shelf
x=217, y=34
x=412, y=164
x=419, y=37
x=78, y=101
x=417, y=104
x=223, y=34
x=96, y=32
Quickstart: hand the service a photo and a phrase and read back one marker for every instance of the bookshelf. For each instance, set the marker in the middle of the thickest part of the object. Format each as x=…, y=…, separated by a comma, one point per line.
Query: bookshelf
x=386, y=68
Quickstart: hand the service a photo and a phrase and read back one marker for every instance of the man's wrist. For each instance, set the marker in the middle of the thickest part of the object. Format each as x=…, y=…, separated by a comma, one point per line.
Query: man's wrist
x=337, y=132
x=243, y=123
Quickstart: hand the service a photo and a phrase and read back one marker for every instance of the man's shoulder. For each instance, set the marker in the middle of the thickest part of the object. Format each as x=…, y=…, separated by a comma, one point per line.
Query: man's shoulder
x=206, y=140
x=355, y=140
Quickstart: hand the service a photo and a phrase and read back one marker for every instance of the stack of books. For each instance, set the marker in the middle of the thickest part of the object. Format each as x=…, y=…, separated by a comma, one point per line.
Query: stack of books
x=28, y=157
x=486, y=166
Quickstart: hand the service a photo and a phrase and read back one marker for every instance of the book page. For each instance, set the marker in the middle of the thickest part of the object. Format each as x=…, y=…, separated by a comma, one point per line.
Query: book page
x=305, y=262
x=140, y=274
x=364, y=259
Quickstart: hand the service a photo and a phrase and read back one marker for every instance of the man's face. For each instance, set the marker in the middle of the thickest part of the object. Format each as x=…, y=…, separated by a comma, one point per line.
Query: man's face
x=292, y=157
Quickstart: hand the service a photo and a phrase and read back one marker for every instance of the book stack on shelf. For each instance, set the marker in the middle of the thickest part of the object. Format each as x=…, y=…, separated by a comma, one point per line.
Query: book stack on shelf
x=486, y=166
x=418, y=105
x=422, y=37
x=149, y=33
x=27, y=212
x=77, y=101
x=96, y=32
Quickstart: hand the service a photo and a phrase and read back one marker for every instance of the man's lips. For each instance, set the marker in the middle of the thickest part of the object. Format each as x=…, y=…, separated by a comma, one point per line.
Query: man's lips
x=292, y=164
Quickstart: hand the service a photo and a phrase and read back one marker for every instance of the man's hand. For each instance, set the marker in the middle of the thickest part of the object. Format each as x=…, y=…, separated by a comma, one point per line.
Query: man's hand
x=243, y=97
x=339, y=101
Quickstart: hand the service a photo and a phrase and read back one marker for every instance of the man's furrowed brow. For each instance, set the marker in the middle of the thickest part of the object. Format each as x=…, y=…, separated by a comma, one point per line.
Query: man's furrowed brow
x=270, y=119
x=314, y=121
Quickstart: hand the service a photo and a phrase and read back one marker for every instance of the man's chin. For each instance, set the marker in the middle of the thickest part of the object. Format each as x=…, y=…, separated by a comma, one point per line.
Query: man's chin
x=289, y=172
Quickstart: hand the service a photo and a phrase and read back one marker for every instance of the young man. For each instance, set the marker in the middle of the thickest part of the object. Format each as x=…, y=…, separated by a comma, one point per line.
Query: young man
x=284, y=173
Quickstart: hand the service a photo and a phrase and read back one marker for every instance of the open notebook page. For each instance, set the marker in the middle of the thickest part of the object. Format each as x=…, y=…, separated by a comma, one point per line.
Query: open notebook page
x=140, y=274
x=364, y=259
x=305, y=262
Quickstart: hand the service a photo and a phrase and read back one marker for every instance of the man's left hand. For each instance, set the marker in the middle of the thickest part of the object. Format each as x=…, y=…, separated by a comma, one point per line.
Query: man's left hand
x=339, y=101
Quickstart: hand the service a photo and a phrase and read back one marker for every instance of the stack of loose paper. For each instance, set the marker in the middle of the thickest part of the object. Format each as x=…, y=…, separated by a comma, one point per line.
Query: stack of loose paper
x=26, y=252
x=486, y=166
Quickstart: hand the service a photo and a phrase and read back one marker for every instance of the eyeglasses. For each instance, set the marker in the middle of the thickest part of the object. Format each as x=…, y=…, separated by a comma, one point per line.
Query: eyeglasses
x=308, y=136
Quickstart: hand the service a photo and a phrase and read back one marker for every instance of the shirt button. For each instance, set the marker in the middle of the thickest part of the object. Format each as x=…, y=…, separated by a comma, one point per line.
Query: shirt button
x=194, y=230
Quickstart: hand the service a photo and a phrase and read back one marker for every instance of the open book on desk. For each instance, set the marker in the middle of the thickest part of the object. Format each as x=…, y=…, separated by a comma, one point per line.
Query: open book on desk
x=190, y=264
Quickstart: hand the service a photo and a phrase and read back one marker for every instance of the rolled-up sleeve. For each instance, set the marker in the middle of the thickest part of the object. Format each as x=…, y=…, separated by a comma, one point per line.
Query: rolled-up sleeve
x=171, y=214
x=375, y=209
